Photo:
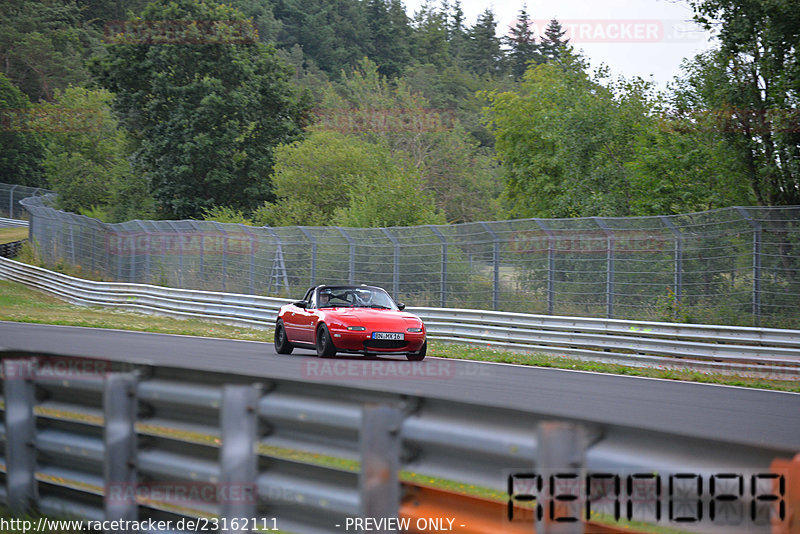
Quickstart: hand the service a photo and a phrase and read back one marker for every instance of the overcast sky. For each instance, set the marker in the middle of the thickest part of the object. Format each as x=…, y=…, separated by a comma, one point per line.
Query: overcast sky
x=633, y=37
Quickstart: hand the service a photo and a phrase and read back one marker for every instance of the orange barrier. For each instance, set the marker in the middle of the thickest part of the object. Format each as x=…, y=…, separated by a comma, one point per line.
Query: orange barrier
x=791, y=471
x=429, y=509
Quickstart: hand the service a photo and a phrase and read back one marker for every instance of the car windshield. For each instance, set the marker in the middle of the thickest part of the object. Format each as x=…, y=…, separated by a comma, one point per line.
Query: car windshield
x=355, y=297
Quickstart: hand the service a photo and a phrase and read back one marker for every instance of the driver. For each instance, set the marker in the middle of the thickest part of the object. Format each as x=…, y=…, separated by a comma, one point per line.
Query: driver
x=363, y=297
x=324, y=299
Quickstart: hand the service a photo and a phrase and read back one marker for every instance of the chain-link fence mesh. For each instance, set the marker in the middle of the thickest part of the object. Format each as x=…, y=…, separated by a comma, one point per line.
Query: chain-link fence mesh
x=10, y=195
x=727, y=266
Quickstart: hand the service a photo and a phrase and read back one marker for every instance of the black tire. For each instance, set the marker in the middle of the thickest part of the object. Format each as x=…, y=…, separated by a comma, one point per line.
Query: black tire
x=282, y=345
x=325, y=347
x=419, y=355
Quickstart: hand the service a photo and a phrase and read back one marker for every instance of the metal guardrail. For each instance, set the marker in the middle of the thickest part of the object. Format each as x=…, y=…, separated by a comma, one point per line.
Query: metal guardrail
x=772, y=352
x=9, y=223
x=115, y=440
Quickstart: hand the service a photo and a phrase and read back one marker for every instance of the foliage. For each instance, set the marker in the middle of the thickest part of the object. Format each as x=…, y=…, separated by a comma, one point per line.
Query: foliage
x=206, y=116
x=21, y=150
x=87, y=162
x=332, y=178
x=224, y=214
x=43, y=45
x=752, y=84
x=574, y=146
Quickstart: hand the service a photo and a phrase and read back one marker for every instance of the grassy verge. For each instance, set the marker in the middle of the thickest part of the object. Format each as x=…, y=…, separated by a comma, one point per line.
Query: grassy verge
x=9, y=235
x=21, y=304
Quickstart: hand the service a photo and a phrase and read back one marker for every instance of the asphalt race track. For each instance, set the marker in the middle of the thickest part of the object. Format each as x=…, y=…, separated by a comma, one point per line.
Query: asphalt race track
x=747, y=416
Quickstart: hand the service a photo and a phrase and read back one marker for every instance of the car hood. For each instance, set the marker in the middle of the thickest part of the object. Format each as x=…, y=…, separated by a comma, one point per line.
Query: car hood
x=374, y=318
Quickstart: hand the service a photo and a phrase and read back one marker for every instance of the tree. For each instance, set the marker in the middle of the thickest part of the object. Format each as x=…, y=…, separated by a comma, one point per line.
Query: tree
x=522, y=42
x=21, y=148
x=335, y=179
x=43, y=46
x=87, y=162
x=389, y=36
x=483, y=55
x=459, y=174
x=553, y=43
x=333, y=33
x=430, y=36
x=206, y=117
x=752, y=84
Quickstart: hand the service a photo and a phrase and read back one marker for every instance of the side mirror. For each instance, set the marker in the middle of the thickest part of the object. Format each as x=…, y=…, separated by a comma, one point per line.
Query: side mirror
x=300, y=304
x=401, y=306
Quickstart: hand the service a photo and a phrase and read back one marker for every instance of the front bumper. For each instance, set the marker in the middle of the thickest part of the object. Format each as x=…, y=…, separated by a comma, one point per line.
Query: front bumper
x=361, y=342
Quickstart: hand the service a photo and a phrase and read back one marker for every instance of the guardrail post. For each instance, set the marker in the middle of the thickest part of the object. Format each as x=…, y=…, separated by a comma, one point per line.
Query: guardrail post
x=396, y=265
x=609, y=266
x=496, y=265
x=756, y=262
x=20, y=397
x=119, y=438
x=443, y=287
x=551, y=265
x=560, y=457
x=380, y=460
x=238, y=455
x=352, y=261
x=678, y=261
x=313, y=241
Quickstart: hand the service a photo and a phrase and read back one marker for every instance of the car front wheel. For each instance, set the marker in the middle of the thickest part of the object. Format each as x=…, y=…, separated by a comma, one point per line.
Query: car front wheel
x=420, y=354
x=325, y=347
x=282, y=345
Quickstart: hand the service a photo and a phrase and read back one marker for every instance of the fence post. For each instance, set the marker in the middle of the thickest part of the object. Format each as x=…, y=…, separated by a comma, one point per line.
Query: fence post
x=313, y=240
x=756, y=262
x=11, y=202
x=551, y=265
x=20, y=434
x=496, y=264
x=180, y=253
x=443, y=288
x=678, y=260
x=146, y=251
x=609, y=266
x=119, y=438
x=238, y=454
x=396, y=266
x=380, y=446
x=352, y=260
x=252, y=267
x=560, y=457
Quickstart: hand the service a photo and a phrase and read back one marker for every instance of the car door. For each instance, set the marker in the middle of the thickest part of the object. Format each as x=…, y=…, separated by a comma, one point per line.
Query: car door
x=295, y=321
x=305, y=320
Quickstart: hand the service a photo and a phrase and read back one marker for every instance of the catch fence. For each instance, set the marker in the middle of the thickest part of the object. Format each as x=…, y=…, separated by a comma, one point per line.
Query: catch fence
x=10, y=196
x=736, y=265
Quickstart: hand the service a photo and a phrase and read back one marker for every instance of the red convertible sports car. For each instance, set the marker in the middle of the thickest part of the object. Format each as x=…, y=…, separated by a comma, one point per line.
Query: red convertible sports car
x=355, y=319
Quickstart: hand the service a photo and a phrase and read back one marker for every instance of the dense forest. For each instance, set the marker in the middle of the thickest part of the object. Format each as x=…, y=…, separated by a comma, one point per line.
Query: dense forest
x=350, y=112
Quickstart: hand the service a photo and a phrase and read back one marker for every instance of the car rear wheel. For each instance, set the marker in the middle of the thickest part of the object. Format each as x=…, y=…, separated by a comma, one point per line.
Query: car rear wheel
x=282, y=345
x=325, y=347
x=419, y=355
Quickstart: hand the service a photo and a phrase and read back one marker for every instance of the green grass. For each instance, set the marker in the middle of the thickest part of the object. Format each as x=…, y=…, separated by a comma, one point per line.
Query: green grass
x=21, y=304
x=9, y=235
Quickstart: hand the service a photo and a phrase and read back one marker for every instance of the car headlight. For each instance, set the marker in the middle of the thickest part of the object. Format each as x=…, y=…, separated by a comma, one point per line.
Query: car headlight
x=414, y=330
x=358, y=328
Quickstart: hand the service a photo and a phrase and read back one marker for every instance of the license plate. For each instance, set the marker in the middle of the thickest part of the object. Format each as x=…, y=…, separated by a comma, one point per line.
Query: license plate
x=393, y=336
